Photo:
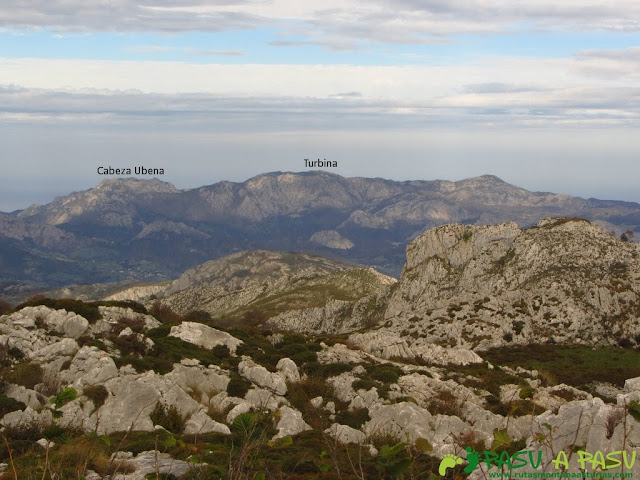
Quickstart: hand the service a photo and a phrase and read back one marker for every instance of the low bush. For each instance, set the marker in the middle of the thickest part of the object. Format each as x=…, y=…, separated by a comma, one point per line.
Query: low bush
x=168, y=417
x=238, y=386
x=8, y=405
x=385, y=372
x=27, y=374
x=445, y=403
x=129, y=344
x=97, y=394
x=353, y=418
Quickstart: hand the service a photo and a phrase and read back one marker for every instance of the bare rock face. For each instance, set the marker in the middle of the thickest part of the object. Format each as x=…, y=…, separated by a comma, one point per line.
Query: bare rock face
x=65, y=323
x=564, y=280
x=89, y=366
x=130, y=400
x=389, y=344
x=28, y=416
x=204, y=336
x=20, y=330
x=262, y=377
x=290, y=423
x=346, y=434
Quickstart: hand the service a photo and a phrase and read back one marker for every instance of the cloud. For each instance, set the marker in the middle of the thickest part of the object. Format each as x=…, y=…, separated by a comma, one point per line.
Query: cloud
x=611, y=65
x=349, y=111
x=128, y=16
x=338, y=24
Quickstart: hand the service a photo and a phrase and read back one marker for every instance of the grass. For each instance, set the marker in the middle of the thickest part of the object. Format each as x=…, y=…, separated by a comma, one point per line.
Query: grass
x=574, y=365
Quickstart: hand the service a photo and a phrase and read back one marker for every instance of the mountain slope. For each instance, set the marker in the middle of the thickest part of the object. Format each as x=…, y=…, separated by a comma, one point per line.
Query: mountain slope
x=259, y=285
x=562, y=281
x=147, y=230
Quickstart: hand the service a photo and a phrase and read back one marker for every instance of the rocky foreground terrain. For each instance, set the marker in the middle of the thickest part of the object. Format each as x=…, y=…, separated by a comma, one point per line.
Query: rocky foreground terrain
x=494, y=339
x=147, y=230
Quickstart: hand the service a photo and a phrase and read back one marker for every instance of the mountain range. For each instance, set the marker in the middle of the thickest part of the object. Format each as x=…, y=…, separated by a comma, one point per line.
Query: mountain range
x=130, y=230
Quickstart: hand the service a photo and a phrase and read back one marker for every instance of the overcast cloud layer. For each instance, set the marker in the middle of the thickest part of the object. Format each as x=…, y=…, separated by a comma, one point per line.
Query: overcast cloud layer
x=542, y=93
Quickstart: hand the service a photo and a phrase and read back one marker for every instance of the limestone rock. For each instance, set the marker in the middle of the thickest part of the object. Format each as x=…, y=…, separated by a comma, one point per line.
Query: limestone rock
x=632, y=385
x=31, y=398
x=388, y=344
x=89, y=366
x=66, y=347
x=204, y=336
x=130, y=401
x=290, y=423
x=289, y=370
x=151, y=461
x=346, y=434
x=65, y=323
x=262, y=377
x=200, y=423
x=27, y=417
x=479, y=287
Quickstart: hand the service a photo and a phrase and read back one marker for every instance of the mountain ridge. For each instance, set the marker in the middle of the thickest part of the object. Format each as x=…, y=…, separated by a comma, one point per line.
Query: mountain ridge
x=149, y=230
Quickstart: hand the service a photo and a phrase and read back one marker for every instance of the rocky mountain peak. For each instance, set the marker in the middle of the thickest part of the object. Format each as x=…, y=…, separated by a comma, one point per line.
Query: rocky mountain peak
x=135, y=185
x=564, y=280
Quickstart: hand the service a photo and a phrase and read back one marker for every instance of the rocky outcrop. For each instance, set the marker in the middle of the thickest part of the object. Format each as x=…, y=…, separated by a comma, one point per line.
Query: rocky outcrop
x=290, y=423
x=89, y=366
x=150, y=463
x=204, y=336
x=262, y=377
x=388, y=344
x=563, y=281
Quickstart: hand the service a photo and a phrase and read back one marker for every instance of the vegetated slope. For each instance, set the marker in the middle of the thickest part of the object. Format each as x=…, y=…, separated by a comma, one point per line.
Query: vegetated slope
x=98, y=379
x=562, y=281
x=254, y=286
x=147, y=230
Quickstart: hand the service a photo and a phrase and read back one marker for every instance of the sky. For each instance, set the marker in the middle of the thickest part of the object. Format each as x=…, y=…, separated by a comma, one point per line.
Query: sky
x=543, y=94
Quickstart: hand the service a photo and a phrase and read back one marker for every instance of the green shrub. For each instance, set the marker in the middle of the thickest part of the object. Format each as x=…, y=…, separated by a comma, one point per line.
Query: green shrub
x=168, y=417
x=238, y=386
x=385, y=373
x=135, y=324
x=299, y=393
x=304, y=357
x=526, y=392
x=87, y=310
x=353, y=418
x=445, y=403
x=333, y=369
x=363, y=384
x=8, y=405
